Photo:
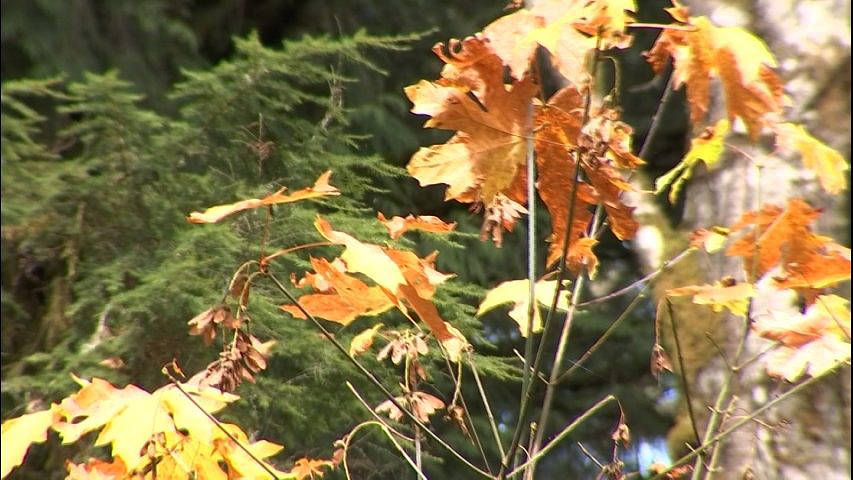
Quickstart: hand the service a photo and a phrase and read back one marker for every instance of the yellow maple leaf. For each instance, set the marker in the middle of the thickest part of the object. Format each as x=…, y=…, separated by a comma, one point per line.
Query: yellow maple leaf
x=726, y=294
x=827, y=163
x=362, y=342
x=21, y=432
x=705, y=148
x=518, y=293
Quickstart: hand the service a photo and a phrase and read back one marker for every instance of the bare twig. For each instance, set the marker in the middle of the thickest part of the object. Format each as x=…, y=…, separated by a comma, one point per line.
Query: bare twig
x=684, y=382
x=563, y=434
x=716, y=438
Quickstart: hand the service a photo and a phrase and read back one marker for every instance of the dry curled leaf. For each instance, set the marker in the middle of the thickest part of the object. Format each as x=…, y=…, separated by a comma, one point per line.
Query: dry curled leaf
x=660, y=361
x=397, y=226
x=423, y=405
x=205, y=323
x=321, y=188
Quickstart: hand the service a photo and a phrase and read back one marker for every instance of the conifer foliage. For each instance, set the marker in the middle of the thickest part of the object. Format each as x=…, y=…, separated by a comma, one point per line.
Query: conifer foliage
x=286, y=207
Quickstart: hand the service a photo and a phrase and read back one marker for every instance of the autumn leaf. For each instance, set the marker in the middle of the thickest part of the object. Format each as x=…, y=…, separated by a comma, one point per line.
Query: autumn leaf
x=486, y=154
x=403, y=275
x=693, y=60
x=397, y=226
x=518, y=293
x=784, y=237
x=705, y=148
x=21, y=432
x=513, y=41
x=350, y=298
x=826, y=163
x=95, y=469
x=739, y=59
x=362, y=342
x=812, y=342
x=321, y=188
x=723, y=294
x=745, y=66
x=711, y=240
x=205, y=323
x=310, y=468
x=364, y=258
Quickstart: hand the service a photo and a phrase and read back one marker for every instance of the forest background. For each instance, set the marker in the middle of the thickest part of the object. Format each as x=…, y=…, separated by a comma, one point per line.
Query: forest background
x=145, y=119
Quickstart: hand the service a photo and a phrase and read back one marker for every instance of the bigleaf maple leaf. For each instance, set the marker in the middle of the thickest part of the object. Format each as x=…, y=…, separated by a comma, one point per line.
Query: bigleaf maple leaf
x=483, y=159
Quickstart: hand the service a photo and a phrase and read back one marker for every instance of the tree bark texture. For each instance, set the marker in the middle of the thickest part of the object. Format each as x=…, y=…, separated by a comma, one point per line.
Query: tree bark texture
x=807, y=436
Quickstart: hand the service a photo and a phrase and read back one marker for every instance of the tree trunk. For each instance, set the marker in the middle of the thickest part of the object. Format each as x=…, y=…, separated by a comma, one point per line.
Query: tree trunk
x=808, y=436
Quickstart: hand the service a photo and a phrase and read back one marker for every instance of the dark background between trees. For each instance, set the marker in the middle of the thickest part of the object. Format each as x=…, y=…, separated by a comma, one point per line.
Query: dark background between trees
x=150, y=118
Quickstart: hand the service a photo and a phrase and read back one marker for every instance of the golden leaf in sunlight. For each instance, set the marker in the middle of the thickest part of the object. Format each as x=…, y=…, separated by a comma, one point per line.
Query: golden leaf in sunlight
x=723, y=294
x=518, y=293
x=828, y=164
x=21, y=432
x=705, y=148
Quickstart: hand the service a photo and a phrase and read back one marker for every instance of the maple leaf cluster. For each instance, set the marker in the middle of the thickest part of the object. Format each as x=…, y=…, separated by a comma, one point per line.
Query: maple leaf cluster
x=754, y=94
x=403, y=280
x=786, y=261
x=484, y=163
x=166, y=434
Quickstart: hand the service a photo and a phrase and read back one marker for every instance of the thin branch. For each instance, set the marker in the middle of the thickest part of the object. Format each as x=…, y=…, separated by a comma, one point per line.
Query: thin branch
x=457, y=380
x=716, y=417
x=532, y=304
x=489, y=414
x=716, y=438
x=366, y=373
x=589, y=455
x=715, y=453
x=654, y=125
x=604, y=336
x=376, y=415
x=384, y=427
x=684, y=382
x=650, y=277
x=563, y=434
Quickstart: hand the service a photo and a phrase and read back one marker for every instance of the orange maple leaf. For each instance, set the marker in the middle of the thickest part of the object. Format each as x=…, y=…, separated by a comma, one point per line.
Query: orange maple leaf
x=484, y=158
x=784, y=237
x=310, y=468
x=321, y=188
x=739, y=59
x=351, y=299
x=397, y=226
x=402, y=275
